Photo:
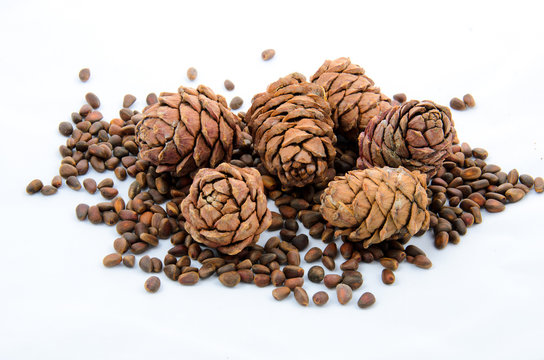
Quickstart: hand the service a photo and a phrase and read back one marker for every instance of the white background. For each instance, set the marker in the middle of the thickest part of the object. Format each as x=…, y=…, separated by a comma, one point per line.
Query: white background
x=482, y=298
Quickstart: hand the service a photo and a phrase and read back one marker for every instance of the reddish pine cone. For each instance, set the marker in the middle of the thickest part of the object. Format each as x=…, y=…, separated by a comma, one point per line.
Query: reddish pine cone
x=292, y=131
x=188, y=130
x=226, y=208
x=353, y=98
x=417, y=135
x=377, y=204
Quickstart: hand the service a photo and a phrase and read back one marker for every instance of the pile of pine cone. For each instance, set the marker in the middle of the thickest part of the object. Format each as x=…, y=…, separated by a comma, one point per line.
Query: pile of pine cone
x=302, y=132
x=334, y=153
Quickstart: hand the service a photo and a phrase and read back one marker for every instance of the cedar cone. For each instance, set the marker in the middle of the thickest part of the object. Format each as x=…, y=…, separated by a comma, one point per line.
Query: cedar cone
x=293, y=131
x=187, y=130
x=417, y=135
x=377, y=204
x=353, y=98
x=226, y=208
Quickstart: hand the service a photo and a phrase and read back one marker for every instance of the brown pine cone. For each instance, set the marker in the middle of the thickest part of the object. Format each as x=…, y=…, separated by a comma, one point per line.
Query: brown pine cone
x=188, y=130
x=292, y=131
x=353, y=98
x=417, y=135
x=377, y=204
x=226, y=208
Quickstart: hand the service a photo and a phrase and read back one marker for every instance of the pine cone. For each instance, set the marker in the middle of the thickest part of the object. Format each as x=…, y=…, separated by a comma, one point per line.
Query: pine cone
x=417, y=135
x=353, y=98
x=226, y=208
x=292, y=131
x=187, y=130
x=377, y=204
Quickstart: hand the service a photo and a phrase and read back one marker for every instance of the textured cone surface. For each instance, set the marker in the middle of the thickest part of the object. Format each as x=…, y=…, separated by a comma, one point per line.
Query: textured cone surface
x=417, y=135
x=226, y=208
x=377, y=204
x=353, y=98
x=293, y=131
x=188, y=130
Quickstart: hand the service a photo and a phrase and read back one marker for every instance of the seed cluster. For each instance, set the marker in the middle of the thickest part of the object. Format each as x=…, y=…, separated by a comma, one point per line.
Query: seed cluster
x=469, y=185
x=463, y=185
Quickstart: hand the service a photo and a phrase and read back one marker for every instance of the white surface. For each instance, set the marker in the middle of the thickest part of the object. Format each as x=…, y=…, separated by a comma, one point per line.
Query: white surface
x=482, y=298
